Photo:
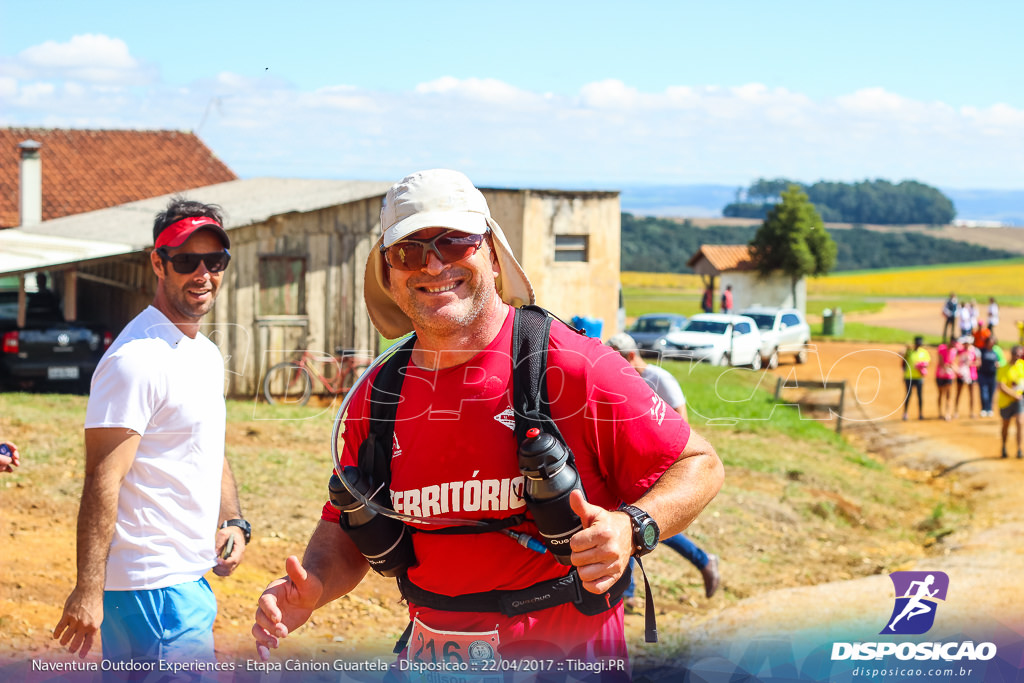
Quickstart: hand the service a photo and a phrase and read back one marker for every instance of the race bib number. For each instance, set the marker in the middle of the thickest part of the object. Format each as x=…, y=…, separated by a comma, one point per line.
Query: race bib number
x=437, y=656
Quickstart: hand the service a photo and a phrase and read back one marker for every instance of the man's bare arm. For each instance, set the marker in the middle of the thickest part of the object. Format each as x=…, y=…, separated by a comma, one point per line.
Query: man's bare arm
x=229, y=509
x=109, y=454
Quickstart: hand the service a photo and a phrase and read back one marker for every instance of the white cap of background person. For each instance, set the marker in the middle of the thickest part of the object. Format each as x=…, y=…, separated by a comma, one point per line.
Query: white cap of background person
x=622, y=342
x=438, y=198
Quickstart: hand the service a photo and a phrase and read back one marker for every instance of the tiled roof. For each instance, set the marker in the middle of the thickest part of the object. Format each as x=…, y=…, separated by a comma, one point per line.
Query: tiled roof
x=85, y=170
x=724, y=257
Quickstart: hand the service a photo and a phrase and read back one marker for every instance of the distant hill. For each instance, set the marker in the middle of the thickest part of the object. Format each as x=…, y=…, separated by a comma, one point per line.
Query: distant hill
x=707, y=201
x=664, y=245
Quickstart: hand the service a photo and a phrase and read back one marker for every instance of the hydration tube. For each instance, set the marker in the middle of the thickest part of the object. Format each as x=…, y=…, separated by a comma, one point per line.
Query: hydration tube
x=338, y=430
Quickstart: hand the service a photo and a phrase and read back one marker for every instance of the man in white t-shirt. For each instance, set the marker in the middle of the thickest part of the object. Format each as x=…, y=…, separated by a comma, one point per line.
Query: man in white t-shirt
x=666, y=386
x=159, y=503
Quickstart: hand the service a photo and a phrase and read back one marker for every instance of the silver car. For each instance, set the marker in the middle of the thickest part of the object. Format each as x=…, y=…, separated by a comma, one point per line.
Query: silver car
x=650, y=329
x=783, y=331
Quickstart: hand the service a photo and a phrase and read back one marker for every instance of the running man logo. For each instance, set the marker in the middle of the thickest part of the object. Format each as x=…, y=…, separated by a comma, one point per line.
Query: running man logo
x=916, y=601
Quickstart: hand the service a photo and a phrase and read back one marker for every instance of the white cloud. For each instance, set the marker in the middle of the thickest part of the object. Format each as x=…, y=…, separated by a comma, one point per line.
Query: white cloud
x=89, y=57
x=483, y=90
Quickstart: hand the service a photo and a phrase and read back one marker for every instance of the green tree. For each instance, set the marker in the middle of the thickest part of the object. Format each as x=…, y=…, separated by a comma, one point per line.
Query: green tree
x=793, y=239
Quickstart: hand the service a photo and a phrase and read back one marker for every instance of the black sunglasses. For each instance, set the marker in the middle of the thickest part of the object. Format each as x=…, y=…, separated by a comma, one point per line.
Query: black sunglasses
x=185, y=264
x=449, y=247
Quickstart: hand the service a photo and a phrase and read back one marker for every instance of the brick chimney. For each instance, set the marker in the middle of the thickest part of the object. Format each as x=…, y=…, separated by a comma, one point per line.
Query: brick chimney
x=31, y=196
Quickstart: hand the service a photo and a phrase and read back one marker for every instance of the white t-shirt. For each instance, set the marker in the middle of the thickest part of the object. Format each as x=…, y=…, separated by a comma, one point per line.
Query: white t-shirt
x=664, y=385
x=169, y=388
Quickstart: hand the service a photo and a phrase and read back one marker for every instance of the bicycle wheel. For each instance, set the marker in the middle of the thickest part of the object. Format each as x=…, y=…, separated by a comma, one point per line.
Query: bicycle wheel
x=287, y=383
x=351, y=376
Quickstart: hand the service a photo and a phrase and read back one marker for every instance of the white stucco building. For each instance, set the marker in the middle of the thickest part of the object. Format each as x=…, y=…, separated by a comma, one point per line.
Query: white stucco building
x=721, y=265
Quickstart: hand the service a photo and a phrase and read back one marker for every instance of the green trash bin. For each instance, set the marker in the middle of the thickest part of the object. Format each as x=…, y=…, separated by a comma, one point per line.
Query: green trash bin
x=832, y=322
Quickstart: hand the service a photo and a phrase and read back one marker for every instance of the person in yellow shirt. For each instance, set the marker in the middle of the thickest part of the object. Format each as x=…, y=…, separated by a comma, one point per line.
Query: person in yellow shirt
x=915, y=367
x=1010, y=389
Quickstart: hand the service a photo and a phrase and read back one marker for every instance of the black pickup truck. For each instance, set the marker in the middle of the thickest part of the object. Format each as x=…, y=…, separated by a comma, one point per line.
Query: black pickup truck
x=47, y=352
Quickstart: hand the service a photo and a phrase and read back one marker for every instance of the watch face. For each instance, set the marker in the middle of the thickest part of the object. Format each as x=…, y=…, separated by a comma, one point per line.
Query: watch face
x=650, y=535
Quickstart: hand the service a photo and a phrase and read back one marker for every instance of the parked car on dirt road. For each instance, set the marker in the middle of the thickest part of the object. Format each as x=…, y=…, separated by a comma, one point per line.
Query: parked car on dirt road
x=783, y=331
x=649, y=330
x=717, y=338
x=47, y=351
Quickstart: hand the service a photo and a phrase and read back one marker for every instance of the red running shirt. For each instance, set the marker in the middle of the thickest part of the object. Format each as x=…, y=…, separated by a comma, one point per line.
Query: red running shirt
x=454, y=455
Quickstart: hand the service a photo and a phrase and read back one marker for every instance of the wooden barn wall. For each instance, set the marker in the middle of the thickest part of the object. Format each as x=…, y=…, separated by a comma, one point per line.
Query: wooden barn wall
x=335, y=243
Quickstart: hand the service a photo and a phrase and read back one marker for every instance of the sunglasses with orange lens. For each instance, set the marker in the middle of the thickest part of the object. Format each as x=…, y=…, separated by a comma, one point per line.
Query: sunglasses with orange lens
x=449, y=247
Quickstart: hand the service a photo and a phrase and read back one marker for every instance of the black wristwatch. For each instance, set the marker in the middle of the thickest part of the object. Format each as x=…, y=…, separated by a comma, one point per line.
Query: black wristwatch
x=241, y=524
x=645, y=530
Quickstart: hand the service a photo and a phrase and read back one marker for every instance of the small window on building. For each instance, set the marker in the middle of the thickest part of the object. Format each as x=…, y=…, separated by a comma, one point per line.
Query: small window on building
x=571, y=248
x=282, y=285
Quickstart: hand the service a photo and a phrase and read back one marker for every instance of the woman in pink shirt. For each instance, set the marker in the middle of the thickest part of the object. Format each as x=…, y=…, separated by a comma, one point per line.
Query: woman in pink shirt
x=945, y=374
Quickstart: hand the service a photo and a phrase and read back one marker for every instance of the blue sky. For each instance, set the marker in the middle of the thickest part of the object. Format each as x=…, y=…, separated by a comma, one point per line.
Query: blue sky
x=566, y=94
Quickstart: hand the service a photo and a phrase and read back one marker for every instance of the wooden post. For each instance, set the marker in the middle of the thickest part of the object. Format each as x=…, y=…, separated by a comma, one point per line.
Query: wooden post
x=839, y=415
x=70, y=295
x=22, y=302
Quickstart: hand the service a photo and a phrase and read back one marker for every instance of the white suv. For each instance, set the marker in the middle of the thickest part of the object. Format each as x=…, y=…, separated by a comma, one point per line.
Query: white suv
x=716, y=338
x=783, y=330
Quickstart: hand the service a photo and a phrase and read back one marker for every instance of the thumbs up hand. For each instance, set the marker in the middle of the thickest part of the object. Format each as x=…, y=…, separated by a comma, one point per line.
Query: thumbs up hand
x=601, y=550
x=285, y=605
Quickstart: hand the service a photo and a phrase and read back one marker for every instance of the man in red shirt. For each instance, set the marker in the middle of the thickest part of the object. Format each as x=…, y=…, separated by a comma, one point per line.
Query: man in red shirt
x=444, y=269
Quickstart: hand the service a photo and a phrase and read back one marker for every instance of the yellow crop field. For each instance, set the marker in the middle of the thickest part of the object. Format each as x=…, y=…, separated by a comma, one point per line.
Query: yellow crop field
x=981, y=280
x=676, y=281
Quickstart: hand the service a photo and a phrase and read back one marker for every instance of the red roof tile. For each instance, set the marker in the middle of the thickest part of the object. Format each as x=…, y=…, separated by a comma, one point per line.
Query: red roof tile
x=724, y=257
x=85, y=170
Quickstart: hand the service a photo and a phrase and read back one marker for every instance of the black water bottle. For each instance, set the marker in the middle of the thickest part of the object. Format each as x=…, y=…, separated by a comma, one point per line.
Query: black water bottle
x=385, y=542
x=549, y=479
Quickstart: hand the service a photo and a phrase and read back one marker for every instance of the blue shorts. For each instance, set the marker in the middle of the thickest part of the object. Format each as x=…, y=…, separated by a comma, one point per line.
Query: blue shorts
x=173, y=623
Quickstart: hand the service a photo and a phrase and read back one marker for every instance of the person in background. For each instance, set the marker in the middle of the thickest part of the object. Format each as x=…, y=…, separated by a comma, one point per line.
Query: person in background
x=966, y=377
x=981, y=335
x=668, y=389
x=991, y=359
x=707, y=303
x=9, y=456
x=727, y=299
x=945, y=374
x=915, y=368
x=46, y=296
x=950, y=311
x=993, y=313
x=968, y=317
x=1010, y=385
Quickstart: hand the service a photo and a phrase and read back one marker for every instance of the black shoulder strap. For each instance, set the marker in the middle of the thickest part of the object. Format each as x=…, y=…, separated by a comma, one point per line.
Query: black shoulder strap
x=531, y=331
x=385, y=395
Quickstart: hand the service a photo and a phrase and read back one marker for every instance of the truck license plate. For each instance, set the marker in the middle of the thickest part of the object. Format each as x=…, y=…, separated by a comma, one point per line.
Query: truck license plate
x=62, y=372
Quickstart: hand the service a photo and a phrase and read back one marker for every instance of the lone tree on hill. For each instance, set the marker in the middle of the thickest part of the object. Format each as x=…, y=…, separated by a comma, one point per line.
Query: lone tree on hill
x=793, y=239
